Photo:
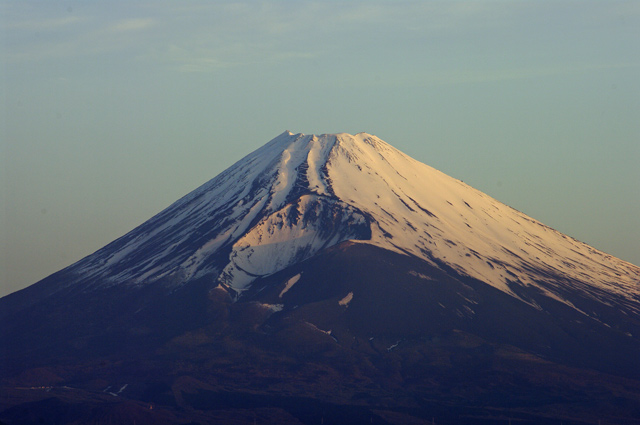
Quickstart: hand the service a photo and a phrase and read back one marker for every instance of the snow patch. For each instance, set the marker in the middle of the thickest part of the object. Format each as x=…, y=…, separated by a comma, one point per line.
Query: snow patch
x=323, y=331
x=392, y=347
x=274, y=308
x=420, y=275
x=346, y=300
x=290, y=284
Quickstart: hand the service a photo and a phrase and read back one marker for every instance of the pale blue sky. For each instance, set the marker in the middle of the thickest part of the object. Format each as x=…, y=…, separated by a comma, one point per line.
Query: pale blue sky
x=113, y=110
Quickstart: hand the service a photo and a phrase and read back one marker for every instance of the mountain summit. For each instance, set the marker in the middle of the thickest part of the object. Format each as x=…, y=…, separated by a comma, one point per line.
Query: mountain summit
x=299, y=194
x=336, y=246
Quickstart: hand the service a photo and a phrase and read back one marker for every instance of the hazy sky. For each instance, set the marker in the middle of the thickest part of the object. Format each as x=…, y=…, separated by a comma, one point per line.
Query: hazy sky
x=113, y=110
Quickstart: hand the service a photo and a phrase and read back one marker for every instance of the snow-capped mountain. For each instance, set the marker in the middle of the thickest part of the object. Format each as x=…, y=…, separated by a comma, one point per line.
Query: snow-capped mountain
x=329, y=273
x=299, y=194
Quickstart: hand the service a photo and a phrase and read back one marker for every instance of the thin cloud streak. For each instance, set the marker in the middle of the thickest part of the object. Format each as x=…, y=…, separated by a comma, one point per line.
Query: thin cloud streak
x=50, y=24
x=514, y=74
x=73, y=38
x=285, y=30
x=139, y=24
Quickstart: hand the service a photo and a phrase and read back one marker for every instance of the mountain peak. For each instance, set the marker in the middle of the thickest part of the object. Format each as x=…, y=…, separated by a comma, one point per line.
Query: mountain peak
x=299, y=194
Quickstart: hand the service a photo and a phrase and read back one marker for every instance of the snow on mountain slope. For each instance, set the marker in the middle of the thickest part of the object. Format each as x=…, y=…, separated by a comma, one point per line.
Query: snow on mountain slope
x=292, y=234
x=420, y=210
x=299, y=194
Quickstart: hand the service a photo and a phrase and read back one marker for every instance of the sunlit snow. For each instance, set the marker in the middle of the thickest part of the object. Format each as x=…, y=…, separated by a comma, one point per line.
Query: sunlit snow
x=300, y=194
x=346, y=300
x=290, y=284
